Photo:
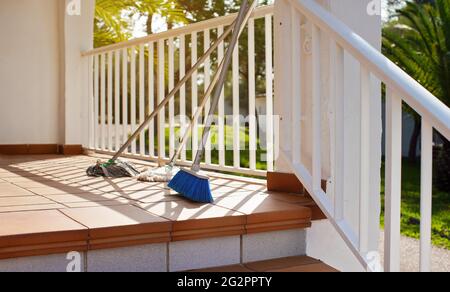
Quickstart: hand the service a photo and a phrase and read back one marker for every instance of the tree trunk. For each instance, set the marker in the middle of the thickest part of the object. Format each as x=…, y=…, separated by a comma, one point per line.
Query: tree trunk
x=415, y=140
x=150, y=24
x=442, y=167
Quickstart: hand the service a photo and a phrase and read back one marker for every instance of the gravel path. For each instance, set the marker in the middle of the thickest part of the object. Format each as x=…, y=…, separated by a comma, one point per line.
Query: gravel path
x=410, y=255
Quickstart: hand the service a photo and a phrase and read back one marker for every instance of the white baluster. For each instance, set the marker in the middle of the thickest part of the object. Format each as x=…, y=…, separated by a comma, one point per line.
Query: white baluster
x=133, y=96
x=236, y=110
x=125, y=123
x=194, y=95
x=317, y=111
x=426, y=196
x=207, y=73
x=172, y=101
x=161, y=95
x=296, y=107
x=393, y=181
x=252, y=93
x=151, y=97
x=365, y=162
x=337, y=79
x=183, y=115
x=142, y=97
x=91, y=101
x=117, y=100
x=96, y=101
x=269, y=93
x=220, y=54
x=102, y=101
x=110, y=100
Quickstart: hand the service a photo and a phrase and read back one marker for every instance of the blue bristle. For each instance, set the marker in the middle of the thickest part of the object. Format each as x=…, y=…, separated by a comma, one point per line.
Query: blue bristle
x=192, y=187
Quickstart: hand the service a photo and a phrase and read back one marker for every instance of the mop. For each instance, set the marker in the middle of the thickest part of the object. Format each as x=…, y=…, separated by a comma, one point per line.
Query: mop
x=116, y=168
x=190, y=183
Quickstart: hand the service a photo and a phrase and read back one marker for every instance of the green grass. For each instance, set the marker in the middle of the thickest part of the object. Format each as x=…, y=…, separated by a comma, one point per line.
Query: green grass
x=229, y=157
x=410, y=221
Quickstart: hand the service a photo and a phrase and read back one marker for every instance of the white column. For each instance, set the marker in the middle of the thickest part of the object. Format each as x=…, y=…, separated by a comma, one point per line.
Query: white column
x=76, y=36
x=283, y=80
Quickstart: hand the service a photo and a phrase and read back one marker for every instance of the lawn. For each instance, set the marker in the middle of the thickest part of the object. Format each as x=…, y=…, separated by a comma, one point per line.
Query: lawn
x=410, y=221
x=229, y=157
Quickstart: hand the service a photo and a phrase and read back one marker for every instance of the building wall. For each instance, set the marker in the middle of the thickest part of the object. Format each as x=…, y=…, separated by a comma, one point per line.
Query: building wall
x=43, y=78
x=29, y=72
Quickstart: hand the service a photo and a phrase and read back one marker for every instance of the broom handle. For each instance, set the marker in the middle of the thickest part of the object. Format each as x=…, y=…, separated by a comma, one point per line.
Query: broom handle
x=223, y=75
x=203, y=103
x=172, y=93
x=197, y=115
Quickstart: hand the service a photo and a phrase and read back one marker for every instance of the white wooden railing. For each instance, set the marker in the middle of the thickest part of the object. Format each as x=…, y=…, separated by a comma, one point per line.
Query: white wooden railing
x=122, y=79
x=126, y=85
x=400, y=88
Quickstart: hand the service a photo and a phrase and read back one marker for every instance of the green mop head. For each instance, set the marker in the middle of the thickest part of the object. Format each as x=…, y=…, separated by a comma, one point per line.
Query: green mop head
x=112, y=169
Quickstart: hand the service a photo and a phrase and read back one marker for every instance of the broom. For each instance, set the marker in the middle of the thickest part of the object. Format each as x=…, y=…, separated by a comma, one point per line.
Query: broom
x=116, y=168
x=167, y=172
x=191, y=183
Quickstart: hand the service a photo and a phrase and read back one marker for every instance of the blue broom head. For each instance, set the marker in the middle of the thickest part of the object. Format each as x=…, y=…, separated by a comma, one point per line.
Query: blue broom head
x=193, y=186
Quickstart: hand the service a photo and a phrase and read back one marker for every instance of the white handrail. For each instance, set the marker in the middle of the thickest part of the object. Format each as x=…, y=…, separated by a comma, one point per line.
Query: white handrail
x=195, y=27
x=399, y=87
x=419, y=98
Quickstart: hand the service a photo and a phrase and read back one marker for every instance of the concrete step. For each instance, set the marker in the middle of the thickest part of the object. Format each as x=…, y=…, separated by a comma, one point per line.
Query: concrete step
x=289, y=264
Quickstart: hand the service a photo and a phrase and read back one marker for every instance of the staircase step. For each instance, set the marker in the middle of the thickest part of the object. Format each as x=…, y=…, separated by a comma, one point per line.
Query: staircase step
x=284, y=182
x=289, y=183
x=289, y=264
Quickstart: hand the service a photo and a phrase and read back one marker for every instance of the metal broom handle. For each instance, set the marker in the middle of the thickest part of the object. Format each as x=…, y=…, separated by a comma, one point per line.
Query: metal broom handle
x=204, y=100
x=172, y=93
x=219, y=88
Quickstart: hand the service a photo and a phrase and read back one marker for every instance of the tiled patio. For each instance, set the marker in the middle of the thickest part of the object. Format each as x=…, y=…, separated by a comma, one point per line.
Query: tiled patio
x=48, y=205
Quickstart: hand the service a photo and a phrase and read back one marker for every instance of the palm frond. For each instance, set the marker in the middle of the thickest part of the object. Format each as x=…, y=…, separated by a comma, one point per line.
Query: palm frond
x=418, y=41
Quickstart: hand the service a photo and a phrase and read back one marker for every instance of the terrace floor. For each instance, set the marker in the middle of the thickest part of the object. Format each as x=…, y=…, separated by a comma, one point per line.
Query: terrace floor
x=48, y=205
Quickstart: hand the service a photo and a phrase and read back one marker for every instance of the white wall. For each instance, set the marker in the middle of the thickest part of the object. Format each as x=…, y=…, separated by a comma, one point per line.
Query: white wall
x=29, y=71
x=43, y=78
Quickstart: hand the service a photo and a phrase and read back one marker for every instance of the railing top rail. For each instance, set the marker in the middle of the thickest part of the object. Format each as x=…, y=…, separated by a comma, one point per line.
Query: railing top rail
x=195, y=27
x=419, y=98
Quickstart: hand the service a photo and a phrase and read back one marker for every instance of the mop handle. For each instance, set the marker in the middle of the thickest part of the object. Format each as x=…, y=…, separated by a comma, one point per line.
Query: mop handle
x=203, y=103
x=223, y=75
x=196, y=115
x=172, y=93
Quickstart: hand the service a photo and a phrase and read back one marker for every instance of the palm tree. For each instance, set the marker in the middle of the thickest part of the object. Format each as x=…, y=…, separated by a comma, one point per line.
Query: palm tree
x=169, y=9
x=418, y=40
x=109, y=24
x=113, y=17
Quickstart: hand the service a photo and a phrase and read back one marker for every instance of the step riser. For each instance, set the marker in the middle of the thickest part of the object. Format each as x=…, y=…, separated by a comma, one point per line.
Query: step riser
x=284, y=182
x=289, y=183
x=173, y=257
